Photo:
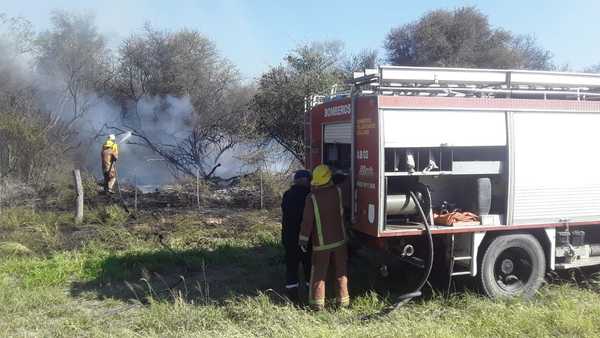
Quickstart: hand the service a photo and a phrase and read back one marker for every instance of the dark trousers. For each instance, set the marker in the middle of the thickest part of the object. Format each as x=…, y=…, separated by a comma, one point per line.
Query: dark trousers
x=294, y=257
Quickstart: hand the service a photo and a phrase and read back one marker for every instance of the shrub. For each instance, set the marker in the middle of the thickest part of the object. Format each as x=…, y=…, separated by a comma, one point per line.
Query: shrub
x=33, y=145
x=248, y=193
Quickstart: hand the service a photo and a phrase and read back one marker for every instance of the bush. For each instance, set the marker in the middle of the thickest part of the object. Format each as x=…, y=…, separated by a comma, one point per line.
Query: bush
x=110, y=215
x=33, y=145
x=39, y=231
x=14, y=192
x=248, y=193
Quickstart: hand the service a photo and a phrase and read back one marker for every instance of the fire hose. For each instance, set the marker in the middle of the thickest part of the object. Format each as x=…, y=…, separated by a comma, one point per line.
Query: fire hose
x=407, y=297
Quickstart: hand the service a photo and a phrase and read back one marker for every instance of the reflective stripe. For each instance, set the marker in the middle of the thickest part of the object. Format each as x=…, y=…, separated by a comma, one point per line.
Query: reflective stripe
x=316, y=301
x=310, y=287
x=341, y=212
x=303, y=238
x=321, y=245
x=329, y=246
x=340, y=198
x=291, y=286
x=317, y=220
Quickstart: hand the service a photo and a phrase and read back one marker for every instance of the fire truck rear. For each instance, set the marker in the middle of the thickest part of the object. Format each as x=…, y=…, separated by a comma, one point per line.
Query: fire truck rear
x=495, y=169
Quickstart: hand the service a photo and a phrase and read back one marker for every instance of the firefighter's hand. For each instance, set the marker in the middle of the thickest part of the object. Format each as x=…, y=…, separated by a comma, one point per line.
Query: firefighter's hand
x=303, y=246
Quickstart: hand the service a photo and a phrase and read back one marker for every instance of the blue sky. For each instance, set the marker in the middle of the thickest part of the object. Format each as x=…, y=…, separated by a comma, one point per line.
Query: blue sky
x=257, y=33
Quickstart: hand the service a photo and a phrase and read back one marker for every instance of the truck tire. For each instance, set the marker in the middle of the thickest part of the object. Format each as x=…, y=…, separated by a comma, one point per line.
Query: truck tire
x=512, y=266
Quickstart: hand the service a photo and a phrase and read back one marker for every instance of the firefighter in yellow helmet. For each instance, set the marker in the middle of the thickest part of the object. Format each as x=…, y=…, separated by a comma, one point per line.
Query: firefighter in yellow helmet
x=109, y=155
x=323, y=222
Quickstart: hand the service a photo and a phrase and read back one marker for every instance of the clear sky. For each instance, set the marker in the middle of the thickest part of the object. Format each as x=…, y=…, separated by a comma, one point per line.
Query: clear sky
x=257, y=33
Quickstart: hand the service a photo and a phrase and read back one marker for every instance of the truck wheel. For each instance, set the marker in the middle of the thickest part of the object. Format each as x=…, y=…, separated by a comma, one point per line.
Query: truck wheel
x=512, y=266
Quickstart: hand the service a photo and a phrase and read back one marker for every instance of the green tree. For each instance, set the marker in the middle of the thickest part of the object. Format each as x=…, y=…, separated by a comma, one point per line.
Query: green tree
x=462, y=38
x=282, y=93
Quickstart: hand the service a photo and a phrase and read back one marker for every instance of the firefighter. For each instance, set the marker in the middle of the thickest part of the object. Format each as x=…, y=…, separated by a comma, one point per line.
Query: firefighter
x=109, y=155
x=322, y=221
x=292, y=207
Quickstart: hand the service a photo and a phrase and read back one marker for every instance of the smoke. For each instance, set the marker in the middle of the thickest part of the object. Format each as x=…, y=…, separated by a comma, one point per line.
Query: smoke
x=92, y=114
x=163, y=120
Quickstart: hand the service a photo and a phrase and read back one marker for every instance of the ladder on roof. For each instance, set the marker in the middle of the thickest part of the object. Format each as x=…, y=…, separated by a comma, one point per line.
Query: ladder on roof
x=461, y=82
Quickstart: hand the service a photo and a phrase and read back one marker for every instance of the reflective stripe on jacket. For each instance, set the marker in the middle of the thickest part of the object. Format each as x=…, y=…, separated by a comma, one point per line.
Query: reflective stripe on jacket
x=323, y=219
x=110, y=152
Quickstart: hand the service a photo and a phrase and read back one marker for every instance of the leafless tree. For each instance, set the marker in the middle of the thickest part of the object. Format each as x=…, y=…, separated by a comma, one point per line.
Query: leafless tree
x=74, y=61
x=167, y=67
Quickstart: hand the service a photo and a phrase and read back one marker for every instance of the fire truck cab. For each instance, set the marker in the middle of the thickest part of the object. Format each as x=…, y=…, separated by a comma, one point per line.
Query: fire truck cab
x=518, y=149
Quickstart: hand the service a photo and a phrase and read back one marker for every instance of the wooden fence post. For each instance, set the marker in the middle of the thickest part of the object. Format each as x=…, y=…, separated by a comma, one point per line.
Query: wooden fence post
x=79, y=192
x=135, y=201
x=198, y=188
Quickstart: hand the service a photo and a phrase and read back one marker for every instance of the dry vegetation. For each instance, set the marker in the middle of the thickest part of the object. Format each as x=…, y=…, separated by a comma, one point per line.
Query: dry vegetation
x=177, y=271
x=174, y=269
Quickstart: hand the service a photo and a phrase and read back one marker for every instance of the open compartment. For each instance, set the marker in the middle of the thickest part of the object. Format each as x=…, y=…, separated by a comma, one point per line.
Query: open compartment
x=464, y=179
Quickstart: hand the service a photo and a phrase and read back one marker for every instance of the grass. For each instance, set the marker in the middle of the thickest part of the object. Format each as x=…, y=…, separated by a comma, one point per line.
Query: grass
x=219, y=274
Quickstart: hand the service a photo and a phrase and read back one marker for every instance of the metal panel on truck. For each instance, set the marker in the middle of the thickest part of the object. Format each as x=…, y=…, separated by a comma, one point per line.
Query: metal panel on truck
x=432, y=128
x=556, y=175
x=367, y=155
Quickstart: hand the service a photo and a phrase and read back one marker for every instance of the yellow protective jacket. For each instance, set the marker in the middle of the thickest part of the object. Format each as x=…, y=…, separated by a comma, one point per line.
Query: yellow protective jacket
x=109, y=154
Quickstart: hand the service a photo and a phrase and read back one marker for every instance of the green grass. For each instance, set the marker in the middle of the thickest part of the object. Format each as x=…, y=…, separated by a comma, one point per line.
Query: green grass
x=223, y=280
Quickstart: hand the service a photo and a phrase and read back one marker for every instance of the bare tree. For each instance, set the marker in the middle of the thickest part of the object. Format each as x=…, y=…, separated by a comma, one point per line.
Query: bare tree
x=72, y=56
x=171, y=68
x=366, y=58
x=29, y=136
x=593, y=69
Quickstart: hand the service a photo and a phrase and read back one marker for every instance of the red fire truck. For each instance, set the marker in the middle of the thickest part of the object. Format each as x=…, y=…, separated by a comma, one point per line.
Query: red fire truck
x=518, y=149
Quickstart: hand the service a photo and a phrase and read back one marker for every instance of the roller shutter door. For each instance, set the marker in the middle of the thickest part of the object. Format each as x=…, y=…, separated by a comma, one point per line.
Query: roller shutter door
x=338, y=133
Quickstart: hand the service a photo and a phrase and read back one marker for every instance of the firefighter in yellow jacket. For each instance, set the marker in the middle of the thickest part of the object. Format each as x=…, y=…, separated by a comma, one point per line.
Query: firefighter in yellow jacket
x=109, y=155
x=323, y=224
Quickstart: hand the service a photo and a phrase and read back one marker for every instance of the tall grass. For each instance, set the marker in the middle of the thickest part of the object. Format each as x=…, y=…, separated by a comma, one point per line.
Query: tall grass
x=211, y=281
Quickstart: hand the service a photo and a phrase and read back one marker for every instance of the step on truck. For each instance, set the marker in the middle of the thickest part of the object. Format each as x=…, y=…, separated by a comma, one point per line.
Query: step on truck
x=517, y=150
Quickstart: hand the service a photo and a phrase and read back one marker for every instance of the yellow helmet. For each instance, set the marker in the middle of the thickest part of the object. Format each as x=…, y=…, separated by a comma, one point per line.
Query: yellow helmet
x=321, y=175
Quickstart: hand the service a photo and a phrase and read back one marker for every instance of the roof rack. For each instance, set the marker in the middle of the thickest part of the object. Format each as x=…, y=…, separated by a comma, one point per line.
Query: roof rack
x=466, y=82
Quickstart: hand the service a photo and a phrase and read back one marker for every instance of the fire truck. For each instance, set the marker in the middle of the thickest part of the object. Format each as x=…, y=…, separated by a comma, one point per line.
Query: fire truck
x=517, y=149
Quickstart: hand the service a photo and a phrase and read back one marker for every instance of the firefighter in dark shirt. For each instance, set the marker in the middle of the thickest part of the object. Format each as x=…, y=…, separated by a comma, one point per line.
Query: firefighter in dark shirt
x=292, y=208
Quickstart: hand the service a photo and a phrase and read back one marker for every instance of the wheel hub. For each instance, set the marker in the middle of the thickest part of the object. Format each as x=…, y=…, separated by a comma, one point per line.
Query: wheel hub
x=513, y=269
x=507, y=266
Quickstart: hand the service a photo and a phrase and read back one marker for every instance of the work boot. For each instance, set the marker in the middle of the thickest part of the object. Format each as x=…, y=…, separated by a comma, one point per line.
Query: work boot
x=317, y=305
x=344, y=303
